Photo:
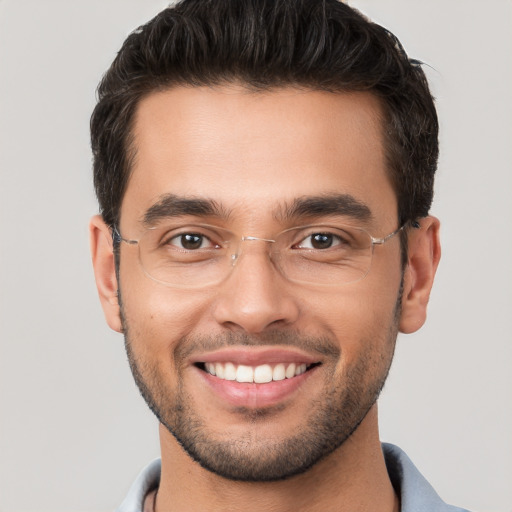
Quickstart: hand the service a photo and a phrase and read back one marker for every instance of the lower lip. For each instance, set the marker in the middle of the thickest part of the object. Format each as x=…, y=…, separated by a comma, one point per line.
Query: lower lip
x=252, y=395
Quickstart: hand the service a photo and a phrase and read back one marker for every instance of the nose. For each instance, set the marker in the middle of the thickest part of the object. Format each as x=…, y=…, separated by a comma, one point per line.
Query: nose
x=255, y=297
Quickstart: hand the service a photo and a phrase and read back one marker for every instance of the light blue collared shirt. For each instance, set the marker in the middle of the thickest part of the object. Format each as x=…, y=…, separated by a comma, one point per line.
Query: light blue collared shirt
x=416, y=494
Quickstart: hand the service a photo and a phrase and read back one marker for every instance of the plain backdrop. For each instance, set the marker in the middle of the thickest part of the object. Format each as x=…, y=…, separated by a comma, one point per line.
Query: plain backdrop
x=73, y=430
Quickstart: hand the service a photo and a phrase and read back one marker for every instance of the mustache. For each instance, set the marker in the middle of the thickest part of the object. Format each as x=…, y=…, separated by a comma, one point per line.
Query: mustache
x=322, y=345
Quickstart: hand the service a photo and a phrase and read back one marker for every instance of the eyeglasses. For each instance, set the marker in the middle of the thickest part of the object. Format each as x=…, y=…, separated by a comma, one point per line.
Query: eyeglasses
x=201, y=255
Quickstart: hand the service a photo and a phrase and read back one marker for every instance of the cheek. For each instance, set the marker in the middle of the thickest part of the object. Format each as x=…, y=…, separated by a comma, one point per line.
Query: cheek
x=157, y=317
x=360, y=317
x=356, y=315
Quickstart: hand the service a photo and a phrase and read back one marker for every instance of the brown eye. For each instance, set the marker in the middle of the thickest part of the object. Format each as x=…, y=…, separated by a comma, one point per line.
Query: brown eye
x=190, y=241
x=321, y=241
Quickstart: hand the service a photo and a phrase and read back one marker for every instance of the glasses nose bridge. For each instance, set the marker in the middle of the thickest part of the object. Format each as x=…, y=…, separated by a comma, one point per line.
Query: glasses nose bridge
x=238, y=252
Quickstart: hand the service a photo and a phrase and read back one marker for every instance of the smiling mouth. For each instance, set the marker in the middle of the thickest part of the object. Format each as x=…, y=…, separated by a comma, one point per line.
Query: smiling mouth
x=260, y=374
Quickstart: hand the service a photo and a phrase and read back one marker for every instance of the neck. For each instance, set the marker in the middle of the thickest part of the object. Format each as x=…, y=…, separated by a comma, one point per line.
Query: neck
x=353, y=477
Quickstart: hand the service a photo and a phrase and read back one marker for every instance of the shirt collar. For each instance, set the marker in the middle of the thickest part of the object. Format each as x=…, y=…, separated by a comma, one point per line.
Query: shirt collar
x=416, y=494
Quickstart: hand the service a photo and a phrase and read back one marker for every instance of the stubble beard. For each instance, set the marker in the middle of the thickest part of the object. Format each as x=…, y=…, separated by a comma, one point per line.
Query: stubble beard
x=326, y=426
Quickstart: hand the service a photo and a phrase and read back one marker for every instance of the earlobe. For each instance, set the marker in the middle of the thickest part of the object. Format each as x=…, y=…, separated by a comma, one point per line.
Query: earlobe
x=105, y=271
x=424, y=252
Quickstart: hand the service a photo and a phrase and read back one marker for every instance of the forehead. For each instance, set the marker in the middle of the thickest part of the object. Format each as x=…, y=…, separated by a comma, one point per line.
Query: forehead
x=255, y=151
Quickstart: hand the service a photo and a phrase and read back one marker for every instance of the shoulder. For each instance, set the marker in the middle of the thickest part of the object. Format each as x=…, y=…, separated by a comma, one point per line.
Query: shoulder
x=147, y=480
x=416, y=494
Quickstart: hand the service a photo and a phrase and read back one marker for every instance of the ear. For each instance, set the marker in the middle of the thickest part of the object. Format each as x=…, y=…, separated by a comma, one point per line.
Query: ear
x=424, y=252
x=104, y=271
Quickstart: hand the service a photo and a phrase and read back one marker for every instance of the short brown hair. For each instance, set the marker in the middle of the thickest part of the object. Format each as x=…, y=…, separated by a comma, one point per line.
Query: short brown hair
x=264, y=44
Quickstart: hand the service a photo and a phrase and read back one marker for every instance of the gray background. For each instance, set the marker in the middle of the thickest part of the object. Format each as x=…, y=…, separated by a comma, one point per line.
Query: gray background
x=73, y=430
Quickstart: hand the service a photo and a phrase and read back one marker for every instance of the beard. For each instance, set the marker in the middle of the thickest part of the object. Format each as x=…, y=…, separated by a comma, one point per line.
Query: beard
x=329, y=421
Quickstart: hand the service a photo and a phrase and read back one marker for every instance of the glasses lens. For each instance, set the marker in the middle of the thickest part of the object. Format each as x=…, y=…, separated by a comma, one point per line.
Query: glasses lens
x=325, y=255
x=197, y=255
x=186, y=256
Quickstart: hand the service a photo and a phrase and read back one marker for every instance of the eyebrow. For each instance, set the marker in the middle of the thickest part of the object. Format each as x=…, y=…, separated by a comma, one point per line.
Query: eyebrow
x=171, y=205
x=307, y=207
x=312, y=207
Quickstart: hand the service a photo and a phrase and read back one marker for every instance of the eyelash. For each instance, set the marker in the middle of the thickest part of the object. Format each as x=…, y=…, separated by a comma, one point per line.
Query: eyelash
x=335, y=240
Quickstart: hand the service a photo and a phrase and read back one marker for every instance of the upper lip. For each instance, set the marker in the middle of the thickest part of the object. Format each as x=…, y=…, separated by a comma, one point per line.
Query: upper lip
x=251, y=356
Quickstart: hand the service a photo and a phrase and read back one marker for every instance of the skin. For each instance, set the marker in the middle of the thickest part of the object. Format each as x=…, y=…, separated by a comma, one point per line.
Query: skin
x=253, y=153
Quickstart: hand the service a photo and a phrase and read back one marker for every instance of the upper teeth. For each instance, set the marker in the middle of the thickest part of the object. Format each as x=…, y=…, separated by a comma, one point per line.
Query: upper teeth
x=258, y=374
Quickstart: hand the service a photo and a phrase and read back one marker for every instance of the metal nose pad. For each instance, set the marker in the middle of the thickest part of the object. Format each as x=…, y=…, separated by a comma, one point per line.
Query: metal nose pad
x=235, y=256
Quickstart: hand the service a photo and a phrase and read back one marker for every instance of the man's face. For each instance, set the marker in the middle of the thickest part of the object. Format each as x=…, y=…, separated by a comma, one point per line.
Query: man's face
x=253, y=156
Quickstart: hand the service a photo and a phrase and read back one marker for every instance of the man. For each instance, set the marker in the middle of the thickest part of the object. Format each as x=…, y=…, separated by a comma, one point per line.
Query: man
x=265, y=172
